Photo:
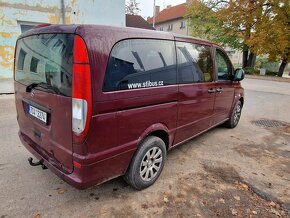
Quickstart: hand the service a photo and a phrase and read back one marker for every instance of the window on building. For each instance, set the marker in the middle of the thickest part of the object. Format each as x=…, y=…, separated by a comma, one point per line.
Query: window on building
x=25, y=27
x=170, y=27
x=161, y=28
x=182, y=24
x=139, y=63
x=194, y=63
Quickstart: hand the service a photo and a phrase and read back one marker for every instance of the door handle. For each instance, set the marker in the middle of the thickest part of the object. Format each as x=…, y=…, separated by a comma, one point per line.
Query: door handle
x=220, y=90
x=211, y=90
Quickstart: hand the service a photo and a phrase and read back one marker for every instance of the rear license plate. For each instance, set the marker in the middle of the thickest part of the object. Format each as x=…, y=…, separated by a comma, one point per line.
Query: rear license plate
x=39, y=114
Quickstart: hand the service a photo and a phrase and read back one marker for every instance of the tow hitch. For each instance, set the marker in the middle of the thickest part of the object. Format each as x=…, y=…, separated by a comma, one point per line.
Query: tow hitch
x=30, y=160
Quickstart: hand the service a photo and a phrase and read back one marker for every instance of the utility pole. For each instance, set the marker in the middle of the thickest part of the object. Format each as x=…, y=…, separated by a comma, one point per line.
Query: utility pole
x=62, y=9
x=154, y=14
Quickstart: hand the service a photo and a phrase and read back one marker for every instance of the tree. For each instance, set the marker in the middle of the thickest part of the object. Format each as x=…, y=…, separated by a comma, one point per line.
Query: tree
x=272, y=35
x=132, y=7
x=229, y=23
x=258, y=27
x=240, y=17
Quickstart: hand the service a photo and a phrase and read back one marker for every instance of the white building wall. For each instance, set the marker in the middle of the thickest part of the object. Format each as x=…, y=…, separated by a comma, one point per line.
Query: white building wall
x=13, y=13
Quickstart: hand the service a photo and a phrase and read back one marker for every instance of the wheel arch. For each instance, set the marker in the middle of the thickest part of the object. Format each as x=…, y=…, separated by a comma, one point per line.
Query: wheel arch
x=241, y=99
x=158, y=130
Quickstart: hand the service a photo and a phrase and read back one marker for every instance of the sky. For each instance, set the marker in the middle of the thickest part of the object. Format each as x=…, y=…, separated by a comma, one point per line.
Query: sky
x=146, y=6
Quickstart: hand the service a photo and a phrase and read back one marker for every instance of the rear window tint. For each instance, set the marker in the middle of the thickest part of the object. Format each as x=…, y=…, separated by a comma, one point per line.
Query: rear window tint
x=194, y=63
x=46, y=58
x=141, y=63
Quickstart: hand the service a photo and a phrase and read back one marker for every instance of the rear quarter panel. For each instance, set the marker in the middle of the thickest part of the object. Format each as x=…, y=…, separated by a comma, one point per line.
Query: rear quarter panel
x=122, y=118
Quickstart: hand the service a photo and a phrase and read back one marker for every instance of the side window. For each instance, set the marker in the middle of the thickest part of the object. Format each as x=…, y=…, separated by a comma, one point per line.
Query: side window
x=224, y=67
x=140, y=63
x=194, y=63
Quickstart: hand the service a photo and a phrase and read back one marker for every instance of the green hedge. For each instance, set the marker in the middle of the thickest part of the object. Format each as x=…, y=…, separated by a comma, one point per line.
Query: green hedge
x=251, y=71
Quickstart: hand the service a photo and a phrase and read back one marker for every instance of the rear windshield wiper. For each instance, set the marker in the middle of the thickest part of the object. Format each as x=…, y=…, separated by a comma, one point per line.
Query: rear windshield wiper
x=42, y=85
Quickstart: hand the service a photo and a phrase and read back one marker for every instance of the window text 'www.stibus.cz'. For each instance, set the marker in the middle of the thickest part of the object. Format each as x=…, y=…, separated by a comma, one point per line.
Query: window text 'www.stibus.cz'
x=145, y=84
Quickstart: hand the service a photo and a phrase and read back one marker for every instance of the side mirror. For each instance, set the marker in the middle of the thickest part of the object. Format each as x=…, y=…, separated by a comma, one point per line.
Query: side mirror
x=239, y=74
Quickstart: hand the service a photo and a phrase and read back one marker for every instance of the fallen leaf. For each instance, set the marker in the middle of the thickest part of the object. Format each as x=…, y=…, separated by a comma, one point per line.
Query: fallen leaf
x=37, y=216
x=272, y=204
x=103, y=211
x=237, y=198
x=254, y=212
x=275, y=212
x=144, y=206
x=165, y=199
x=222, y=200
x=243, y=186
x=61, y=190
x=234, y=212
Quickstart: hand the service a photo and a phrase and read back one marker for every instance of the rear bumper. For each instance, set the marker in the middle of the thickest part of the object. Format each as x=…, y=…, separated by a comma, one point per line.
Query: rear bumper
x=87, y=175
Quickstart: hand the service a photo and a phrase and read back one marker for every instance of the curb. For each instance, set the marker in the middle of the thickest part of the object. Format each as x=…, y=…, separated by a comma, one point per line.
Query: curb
x=270, y=78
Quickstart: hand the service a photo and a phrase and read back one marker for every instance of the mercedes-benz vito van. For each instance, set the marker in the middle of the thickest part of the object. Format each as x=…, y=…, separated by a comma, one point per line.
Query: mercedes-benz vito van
x=96, y=102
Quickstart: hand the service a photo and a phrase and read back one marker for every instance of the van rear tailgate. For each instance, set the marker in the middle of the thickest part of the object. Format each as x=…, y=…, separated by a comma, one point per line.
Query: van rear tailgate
x=43, y=74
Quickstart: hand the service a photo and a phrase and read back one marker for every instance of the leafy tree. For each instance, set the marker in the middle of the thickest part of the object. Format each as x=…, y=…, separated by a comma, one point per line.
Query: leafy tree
x=272, y=35
x=240, y=18
x=132, y=7
x=244, y=24
x=204, y=22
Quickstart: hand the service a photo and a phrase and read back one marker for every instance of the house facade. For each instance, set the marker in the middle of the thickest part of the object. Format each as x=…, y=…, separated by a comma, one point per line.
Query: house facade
x=171, y=19
x=18, y=16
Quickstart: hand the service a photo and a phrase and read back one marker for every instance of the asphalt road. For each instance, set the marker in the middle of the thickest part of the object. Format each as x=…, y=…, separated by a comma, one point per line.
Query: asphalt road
x=222, y=173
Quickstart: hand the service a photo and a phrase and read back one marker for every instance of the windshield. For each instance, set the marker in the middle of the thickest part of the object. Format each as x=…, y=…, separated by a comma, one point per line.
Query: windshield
x=45, y=59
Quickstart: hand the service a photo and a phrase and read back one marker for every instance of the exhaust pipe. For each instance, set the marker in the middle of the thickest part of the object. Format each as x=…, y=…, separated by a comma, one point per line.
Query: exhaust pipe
x=30, y=160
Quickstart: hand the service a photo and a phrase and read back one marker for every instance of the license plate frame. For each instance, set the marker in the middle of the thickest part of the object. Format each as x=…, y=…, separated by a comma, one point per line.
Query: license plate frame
x=37, y=113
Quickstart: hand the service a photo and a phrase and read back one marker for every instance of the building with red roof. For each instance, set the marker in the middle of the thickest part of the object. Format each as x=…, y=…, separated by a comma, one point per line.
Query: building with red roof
x=171, y=19
x=138, y=22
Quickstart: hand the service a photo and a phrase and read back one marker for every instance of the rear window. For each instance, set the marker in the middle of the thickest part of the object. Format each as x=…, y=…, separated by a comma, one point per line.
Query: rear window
x=141, y=63
x=46, y=59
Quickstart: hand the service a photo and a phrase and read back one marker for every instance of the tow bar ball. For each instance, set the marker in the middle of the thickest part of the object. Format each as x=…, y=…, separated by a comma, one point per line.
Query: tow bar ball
x=30, y=160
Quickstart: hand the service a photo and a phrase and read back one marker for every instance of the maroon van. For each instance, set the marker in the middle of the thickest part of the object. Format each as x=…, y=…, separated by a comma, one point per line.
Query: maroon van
x=96, y=102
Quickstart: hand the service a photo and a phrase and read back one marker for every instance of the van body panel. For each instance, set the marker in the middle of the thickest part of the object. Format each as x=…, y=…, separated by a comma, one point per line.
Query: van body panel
x=52, y=138
x=195, y=109
x=118, y=117
x=68, y=29
x=90, y=174
x=223, y=100
x=145, y=117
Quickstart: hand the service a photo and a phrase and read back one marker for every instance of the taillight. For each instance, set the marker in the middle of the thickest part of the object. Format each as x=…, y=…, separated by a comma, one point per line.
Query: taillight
x=81, y=91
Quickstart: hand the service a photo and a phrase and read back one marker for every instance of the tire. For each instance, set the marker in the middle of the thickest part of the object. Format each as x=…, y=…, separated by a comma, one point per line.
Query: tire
x=147, y=163
x=235, y=116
